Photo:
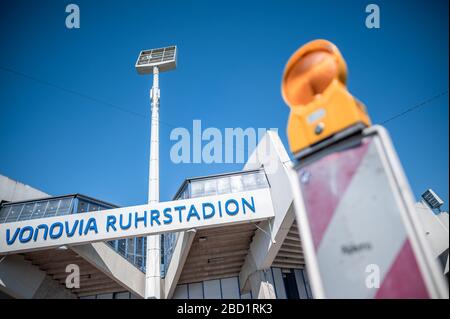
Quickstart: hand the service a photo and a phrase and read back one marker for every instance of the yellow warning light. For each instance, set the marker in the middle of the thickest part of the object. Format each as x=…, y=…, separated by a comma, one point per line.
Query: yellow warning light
x=314, y=87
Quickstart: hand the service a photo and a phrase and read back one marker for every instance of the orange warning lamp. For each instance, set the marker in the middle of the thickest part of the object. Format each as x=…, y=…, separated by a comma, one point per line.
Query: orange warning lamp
x=314, y=87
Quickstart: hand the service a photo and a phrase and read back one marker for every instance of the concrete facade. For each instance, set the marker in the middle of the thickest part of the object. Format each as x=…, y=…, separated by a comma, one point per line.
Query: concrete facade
x=20, y=279
x=12, y=191
x=26, y=275
x=256, y=278
x=261, y=260
x=436, y=228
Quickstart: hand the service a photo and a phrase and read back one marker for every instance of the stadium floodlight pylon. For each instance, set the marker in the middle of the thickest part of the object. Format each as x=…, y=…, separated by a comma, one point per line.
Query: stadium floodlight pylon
x=153, y=62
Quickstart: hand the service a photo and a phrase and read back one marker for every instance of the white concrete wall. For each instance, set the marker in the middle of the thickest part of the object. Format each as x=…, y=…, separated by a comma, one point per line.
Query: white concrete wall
x=436, y=229
x=11, y=190
x=108, y=261
x=20, y=279
x=272, y=156
x=177, y=261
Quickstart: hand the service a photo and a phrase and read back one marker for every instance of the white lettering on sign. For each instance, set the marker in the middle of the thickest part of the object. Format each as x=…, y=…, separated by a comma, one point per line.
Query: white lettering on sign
x=134, y=221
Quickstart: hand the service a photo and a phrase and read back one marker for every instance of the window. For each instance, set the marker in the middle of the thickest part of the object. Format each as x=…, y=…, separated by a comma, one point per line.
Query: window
x=254, y=180
x=184, y=193
x=223, y=185
x=197, y=189
x=39, y=210
x=4, y=213
x=51, y=208
x=64, y=206
x=290, y=284
x=122, y=246
x=249, y=181
x=112, y=243
x=169, y=243
x=236, y=184
x=210, y=187
x=14, y=213
x=261, y=179
x=93, y=207
x=27, y=211
x=144, y=254
x=121, y=295
x=82, y=206
x=130, y=249
x=139, y=252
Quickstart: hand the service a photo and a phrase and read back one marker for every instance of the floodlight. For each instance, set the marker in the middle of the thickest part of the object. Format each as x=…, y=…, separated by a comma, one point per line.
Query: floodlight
x=165, y=59
x=153, y=62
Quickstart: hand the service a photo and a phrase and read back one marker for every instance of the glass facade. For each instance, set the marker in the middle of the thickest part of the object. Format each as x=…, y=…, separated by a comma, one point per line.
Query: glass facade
x=133, y=249
x=12, y=212
x=207, y=186
x=287, y=283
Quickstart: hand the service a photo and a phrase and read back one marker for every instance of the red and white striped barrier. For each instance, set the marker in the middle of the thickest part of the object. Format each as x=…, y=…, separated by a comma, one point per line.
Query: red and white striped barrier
x=358, y=224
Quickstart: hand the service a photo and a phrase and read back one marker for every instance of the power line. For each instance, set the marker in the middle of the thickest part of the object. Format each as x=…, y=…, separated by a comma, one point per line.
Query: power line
x=122, y=109
x=82, y=95
x=415, y=107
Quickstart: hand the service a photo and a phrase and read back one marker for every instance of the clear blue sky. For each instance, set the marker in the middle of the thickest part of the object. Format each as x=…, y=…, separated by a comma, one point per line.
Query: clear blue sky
x=231, y=57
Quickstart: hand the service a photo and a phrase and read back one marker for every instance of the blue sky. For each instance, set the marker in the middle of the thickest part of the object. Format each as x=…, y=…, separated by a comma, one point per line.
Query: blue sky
x=57, y=136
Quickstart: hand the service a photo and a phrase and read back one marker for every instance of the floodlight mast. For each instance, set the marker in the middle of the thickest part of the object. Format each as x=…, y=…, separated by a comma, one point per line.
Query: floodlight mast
x=153, y=178
x=153, y=260
x=154, y=61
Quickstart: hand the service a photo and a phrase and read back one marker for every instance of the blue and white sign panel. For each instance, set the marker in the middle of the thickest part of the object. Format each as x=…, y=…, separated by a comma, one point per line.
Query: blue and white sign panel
x=143, y=220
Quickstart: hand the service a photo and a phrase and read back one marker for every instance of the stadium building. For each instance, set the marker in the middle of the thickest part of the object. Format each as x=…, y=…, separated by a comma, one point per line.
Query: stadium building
x=254, y=260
